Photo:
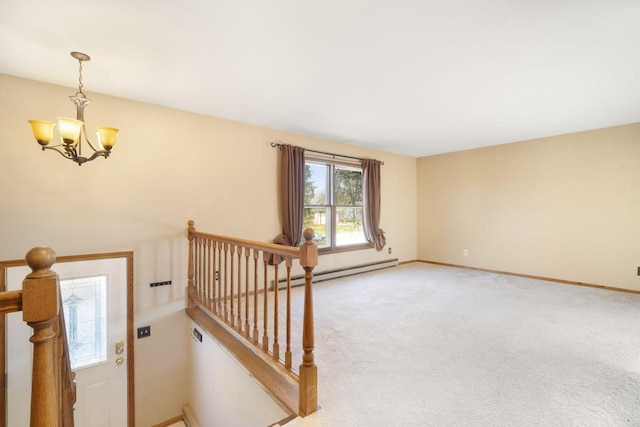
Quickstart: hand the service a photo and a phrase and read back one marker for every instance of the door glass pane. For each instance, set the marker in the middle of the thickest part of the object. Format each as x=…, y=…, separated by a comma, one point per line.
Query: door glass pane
x=319, y=219
x=349, y=229
x=85, y=314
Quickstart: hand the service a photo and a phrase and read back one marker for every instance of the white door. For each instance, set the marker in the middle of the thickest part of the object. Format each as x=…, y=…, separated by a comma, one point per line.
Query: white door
x=94, y=296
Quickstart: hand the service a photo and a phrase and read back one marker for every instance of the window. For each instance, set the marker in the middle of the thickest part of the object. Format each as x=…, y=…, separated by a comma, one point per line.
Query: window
x=84, y=302
x=333, y=204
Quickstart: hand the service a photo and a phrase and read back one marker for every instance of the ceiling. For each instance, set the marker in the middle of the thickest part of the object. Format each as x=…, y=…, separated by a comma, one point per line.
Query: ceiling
x=410, y=77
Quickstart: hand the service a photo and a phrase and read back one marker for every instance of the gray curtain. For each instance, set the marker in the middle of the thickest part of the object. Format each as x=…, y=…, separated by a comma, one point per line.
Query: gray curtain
x=371, y=203
x=291, y=195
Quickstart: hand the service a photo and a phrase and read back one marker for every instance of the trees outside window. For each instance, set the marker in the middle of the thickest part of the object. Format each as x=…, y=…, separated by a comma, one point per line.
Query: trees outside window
x=333, y=204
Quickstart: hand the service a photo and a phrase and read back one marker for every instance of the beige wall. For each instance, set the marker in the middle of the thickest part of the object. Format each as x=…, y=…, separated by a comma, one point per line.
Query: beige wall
x=168, y=167
x=565, y=207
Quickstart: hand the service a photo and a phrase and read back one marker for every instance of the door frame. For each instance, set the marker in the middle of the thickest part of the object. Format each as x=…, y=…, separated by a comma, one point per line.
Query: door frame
x=128, y=255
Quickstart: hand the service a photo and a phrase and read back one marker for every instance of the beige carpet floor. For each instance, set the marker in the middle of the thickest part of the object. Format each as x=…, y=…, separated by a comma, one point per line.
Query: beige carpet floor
x=426, y=345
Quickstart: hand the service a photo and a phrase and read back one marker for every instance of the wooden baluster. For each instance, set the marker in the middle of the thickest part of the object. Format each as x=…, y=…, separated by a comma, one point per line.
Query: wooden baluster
x=207, y=272
x=256, y=254
x=265, y=314
x=214, y=296
x=68, y=396
x=201, y=276
x=197, y=267
x=226, y=253
x=40, y=304
x=276, y=345
x=202, y=279
x=247, y=329
x=210, y=268
x=219, y=278
x=213, y=276
x=196, y=260
x=239, y=321
x=232, y=319
x=308, y=400
x=287, y=353
x=190, y=284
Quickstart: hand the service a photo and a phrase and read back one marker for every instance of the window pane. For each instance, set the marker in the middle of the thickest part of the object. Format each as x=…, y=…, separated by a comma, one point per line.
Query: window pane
x=347, y=183
x=85, y=315
x=315, y=188
x=349, y=230
x=319, y=219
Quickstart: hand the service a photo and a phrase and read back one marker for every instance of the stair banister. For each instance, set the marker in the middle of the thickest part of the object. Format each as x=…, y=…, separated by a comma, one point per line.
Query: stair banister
x=40, y=305
x=53, y=390
x=216, y=259
x=308, y=399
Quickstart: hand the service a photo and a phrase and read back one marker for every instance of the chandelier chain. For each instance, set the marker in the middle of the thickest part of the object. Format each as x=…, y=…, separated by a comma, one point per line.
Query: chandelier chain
x=80, y=85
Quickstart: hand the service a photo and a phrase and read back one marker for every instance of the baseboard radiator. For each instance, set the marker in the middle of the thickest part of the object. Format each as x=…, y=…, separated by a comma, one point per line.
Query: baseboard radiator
x=322, y=276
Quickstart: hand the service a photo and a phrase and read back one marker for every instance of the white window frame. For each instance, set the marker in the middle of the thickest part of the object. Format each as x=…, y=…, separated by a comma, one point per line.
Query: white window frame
x=331, y=206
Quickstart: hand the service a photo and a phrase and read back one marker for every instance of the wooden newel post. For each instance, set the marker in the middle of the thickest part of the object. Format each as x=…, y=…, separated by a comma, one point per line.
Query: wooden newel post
x=191, y=290
x=40, y=304
x=308, y=402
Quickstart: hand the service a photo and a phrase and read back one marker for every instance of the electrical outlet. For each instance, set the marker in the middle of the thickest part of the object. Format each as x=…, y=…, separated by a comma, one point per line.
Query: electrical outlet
x=197, y=334
x=465, y=252
x=389, y=250
x=144, y=332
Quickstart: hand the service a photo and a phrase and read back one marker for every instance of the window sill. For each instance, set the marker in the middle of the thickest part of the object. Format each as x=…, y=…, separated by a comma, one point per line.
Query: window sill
x=326, y=251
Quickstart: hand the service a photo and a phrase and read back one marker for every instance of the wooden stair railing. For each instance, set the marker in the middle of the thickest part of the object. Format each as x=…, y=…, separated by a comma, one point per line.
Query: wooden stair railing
x=53, y=392
x=229, y=279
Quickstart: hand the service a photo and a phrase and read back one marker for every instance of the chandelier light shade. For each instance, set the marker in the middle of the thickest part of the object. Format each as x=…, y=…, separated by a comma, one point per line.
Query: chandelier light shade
x=73, y=131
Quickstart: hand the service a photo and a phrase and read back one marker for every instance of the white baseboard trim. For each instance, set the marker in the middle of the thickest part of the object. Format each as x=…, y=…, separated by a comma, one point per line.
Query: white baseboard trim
x=322, y=276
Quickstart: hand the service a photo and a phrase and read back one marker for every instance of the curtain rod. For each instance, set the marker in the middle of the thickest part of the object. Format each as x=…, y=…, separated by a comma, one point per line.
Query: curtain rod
x=278, y=145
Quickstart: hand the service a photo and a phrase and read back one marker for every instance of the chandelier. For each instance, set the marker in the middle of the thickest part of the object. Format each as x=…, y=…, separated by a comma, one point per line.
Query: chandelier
x=72, y=131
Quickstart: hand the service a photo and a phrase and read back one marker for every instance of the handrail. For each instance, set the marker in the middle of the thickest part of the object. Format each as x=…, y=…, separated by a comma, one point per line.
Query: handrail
x=10, y=301
x=52, y=389
x=285, y=251
x=229, y=279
